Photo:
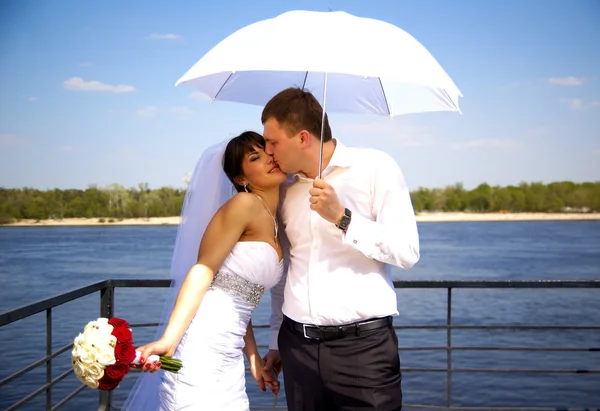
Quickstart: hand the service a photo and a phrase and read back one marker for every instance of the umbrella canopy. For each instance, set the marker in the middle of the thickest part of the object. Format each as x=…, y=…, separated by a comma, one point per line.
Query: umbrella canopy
x=364, y=65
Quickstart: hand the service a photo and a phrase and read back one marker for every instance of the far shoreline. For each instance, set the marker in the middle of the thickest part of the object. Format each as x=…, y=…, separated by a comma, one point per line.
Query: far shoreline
x=432, y=217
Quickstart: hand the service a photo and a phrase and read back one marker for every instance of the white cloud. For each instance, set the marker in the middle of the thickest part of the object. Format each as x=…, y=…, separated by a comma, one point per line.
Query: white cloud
x=567, y=81
x=182, y=112
x=196, y=95
x=498, y=143
x=32, y=99
x=85, y=64
x=536, y=132
x=8, y=140
x=79, y=84
x=168, y=36
x=148, y=111
x=392, y=132
x=580, y=104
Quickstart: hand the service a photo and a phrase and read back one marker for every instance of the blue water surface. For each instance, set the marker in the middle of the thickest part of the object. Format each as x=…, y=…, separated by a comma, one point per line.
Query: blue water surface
x=40, y=262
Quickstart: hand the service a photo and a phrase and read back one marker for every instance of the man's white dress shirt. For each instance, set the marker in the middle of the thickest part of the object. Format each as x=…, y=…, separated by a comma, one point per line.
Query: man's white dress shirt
x=335, y=278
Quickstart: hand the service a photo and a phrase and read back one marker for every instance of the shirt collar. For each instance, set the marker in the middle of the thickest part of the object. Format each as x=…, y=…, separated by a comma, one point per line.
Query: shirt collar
x=342, y=157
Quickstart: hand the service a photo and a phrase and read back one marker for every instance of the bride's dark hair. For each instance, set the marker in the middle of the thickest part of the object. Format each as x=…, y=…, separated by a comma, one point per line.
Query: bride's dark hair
x=237, y=148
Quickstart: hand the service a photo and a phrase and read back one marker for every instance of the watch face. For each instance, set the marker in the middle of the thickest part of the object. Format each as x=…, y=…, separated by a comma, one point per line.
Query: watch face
x=345, y=221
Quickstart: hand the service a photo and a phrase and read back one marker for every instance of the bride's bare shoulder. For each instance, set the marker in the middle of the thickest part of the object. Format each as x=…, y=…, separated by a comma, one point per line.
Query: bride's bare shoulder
x=242, y=203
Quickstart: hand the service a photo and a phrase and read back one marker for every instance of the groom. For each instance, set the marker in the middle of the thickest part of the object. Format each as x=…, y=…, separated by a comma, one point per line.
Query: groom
x=332, y=326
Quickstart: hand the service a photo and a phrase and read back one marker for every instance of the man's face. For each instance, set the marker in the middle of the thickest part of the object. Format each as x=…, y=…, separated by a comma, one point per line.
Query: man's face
x=282, y=146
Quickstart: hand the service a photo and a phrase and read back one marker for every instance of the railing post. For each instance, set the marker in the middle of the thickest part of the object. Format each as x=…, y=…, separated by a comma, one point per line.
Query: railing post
x=449, y=348
x=107, y=309
x=49, y=361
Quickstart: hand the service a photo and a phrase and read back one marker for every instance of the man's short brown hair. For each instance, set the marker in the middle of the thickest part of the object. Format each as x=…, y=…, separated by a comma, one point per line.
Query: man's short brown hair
x=297, y=110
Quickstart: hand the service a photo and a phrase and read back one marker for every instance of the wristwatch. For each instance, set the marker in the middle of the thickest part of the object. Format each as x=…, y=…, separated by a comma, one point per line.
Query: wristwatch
x=345, y=220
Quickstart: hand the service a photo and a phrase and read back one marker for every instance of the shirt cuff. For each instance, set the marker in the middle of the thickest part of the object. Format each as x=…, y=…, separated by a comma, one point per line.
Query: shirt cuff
x=359, y=234
x=273, y=343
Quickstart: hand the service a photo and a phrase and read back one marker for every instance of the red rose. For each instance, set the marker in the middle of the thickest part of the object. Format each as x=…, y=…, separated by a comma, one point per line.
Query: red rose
x=118, y=322
x=107, y=384
x=116, y=371
x=123, y=335
x=125, y=353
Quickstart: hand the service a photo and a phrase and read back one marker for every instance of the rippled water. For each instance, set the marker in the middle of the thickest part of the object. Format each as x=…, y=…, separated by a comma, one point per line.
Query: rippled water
x=40, y=262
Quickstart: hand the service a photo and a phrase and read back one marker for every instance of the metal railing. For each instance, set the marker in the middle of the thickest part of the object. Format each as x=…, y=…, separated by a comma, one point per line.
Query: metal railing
x=107, y=291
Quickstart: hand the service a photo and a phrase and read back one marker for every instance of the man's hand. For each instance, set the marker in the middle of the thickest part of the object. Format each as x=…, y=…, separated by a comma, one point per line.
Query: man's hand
x=324, y=200
x=272, y=362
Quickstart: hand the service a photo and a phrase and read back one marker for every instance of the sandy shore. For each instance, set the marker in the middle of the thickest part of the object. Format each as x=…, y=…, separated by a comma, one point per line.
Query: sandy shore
x=449, y=217
x=423, y=217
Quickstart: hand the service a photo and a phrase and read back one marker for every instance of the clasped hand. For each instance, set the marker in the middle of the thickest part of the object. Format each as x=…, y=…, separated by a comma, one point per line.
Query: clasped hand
x=264, y=377
x=324, y=200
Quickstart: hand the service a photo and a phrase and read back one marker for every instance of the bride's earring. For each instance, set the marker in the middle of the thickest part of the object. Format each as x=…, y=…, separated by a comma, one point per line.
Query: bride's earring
x=246, y=187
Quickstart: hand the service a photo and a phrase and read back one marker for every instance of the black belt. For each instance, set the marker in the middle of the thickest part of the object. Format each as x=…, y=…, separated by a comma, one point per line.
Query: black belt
x=335, y=332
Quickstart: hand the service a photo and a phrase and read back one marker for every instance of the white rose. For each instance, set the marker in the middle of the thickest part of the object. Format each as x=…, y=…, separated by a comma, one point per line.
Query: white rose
x=86, y=356
x=105, y=356
x=79, y=369
x=104, y=327
x=89, y=326
x=90, y=382
x=80, y=339
x=95, y=371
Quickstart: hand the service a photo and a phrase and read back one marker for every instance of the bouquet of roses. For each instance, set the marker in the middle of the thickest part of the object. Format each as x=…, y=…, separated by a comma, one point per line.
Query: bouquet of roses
x=103, y=354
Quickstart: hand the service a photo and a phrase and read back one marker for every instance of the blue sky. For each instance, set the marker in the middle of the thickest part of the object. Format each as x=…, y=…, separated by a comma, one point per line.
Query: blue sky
x=529, y=72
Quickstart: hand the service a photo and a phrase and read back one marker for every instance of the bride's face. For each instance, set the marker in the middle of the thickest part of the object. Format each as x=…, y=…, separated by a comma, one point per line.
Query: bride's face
x=260, y=170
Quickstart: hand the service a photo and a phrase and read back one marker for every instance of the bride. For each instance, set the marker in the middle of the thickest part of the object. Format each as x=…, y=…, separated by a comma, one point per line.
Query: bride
x=218, y=282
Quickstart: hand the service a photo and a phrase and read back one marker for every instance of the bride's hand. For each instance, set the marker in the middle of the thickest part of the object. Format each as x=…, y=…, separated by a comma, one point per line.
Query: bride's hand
x=270, y=380
x=263, y=378
x=159, y=347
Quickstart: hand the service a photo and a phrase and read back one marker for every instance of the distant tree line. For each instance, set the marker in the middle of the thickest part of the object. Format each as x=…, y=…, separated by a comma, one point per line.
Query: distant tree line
x=112, y=202
x=556, y=197
x=118, y=202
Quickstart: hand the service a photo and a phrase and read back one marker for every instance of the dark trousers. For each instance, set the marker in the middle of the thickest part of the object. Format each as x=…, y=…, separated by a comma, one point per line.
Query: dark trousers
x=357, y=372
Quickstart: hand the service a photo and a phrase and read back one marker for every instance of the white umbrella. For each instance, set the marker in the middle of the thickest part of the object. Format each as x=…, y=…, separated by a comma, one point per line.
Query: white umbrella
x=351, y=64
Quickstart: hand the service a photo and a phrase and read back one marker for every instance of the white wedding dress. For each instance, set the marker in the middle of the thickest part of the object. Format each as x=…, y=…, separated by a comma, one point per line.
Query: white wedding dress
x=213, y=374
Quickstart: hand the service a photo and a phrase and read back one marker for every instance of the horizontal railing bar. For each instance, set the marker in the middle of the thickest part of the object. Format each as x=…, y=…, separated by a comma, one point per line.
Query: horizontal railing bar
x=141, y=283
x=499, y=327
x=28, y=310
x=35, y=308
x=527, y=327
x=488, y=408
x=35, y=364
x=481, y=327
x=490, y=348
x=140, y=325
x=498, y=284
x=41, y=389
x=68, y=397
x=497, y=370
x=420, y=283
x=562, y=349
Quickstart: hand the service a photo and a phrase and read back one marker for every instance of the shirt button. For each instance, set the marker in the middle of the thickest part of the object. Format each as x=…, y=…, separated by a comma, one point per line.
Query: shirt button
x=315, y=246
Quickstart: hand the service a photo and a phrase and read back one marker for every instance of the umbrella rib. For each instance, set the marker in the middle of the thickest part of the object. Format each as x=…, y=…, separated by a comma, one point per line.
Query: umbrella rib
x=384, y=96
x=452, y=101
x=304, y=83
x=222, y=85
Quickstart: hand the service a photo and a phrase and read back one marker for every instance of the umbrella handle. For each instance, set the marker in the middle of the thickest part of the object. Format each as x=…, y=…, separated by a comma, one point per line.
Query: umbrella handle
x=322, y=125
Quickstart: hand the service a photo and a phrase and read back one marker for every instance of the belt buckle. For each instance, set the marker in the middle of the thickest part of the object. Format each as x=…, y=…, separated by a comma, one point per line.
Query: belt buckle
x=304, y=329
x=308, y=337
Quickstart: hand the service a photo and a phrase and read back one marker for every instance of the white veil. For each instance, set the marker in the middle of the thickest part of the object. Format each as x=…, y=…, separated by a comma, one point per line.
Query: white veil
x=208, y=189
